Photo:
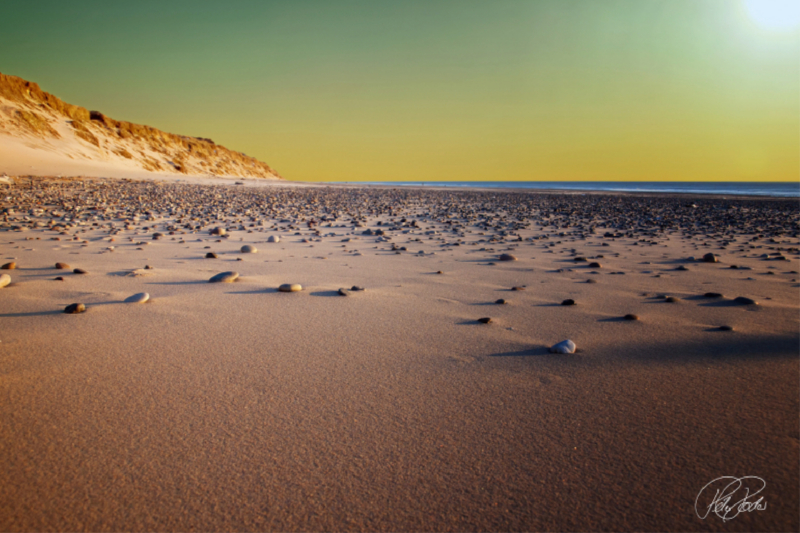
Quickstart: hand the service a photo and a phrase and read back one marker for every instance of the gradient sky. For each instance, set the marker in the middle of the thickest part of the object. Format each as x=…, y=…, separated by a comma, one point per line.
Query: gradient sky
x=434, y=90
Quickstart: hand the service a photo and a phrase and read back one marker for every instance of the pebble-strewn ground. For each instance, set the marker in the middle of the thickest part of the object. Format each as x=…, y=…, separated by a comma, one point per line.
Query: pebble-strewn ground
x=380, y=359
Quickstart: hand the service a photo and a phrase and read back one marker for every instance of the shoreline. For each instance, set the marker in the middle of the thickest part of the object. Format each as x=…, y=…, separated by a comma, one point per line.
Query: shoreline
x=262, y=182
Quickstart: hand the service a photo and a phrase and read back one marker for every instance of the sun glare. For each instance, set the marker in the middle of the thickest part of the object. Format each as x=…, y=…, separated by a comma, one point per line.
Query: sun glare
x=774, y=14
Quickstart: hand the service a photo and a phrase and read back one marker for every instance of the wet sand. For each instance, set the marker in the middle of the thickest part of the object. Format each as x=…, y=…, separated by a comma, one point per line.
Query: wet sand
x=233, y=406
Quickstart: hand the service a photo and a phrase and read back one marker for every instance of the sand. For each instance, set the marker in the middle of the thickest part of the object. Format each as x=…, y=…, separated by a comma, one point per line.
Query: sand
x=236, y=407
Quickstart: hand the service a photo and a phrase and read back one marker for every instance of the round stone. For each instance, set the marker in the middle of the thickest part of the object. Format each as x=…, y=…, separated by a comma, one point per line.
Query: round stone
x=742, y=300
x=224, y=277
x=274, y=238
x=211, y=255
x=485, y=320
x=631, y=317
x=5, y=279
x=564, y=347
x=79, y=271
x=74, y=309
x=568, y=301
x=595, y=265
x=506, y=257
x=9, y=266
x=710, y=258
x=62, y=266
x=248, y=249
x=501, y=301
x=139, y=298
x=220, y=232
x=290, y=287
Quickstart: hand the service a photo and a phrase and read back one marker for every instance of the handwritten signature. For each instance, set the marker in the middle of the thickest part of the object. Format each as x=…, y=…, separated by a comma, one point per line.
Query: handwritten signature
x=731, y=497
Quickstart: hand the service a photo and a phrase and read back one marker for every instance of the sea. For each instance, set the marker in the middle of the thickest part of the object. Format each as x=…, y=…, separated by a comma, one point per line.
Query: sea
x=761, y=188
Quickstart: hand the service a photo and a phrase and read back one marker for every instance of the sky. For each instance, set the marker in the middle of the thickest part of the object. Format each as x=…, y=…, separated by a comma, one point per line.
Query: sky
x=437, y=90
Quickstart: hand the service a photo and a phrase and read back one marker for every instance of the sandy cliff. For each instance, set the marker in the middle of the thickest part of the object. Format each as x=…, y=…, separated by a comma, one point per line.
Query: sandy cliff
x=41, y=134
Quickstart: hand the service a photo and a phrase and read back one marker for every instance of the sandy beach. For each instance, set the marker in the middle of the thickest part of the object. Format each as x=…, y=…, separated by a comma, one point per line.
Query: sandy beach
x=238, y=407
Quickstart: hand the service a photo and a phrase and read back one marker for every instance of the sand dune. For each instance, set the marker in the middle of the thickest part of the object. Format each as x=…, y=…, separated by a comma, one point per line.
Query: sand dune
x=42, y=135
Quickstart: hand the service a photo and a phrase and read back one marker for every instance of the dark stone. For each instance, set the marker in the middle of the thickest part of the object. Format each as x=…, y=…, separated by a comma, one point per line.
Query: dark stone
x=74, y=309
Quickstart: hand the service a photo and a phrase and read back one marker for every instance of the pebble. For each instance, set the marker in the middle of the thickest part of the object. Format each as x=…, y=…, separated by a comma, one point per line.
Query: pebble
x=517, y=288
x=357, y=288
x=5, y=279
x=248, y=249
x=58, y=278
x=710, y=258
x=343, y=292
x=274, y=238
x=744, y=300
x=139, y=298
x=485, y=320
x=591, y=281
x=565, y=347
x=224, y=277
x=218, y=231
x=506, y=257
x=568, y=301
x=500, y=301
x=62, y=266
x=712, y=295
x=74, y=309
x=290, y=287
x=595, y=265
x=672, y=299
x=682, y=267
x=631, y=317
x=9, y=266
x=79, y=271
x=726, y=328
x=211, y=255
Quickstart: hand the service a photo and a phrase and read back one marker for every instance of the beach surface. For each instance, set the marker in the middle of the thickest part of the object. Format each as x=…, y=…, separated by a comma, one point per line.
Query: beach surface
x=239, y=407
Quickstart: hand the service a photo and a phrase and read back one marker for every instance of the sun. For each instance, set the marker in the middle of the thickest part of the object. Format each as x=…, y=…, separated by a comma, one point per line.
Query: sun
x=774, y=14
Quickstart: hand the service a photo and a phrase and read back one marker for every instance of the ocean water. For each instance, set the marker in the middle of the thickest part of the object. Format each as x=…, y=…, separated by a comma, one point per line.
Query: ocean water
x=774, y=189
